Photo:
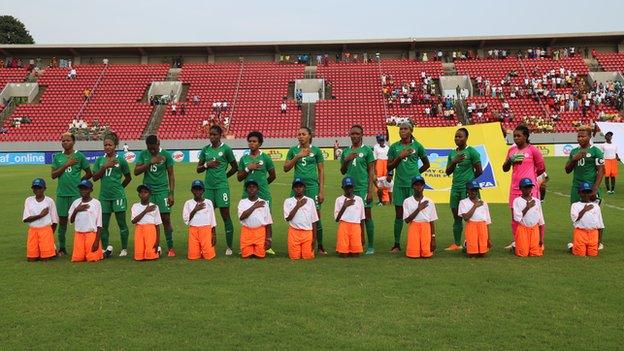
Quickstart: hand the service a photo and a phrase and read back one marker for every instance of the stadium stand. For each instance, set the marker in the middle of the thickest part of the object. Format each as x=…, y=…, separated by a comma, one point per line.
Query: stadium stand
x=12, y=75
x=611, y=61
x=116, y=94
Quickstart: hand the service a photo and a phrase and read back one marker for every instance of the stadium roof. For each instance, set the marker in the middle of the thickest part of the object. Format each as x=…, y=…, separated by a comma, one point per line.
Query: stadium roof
x=546, y=39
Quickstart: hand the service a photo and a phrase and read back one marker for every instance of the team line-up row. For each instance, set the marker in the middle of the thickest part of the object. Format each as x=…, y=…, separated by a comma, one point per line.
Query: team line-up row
x=396, y=171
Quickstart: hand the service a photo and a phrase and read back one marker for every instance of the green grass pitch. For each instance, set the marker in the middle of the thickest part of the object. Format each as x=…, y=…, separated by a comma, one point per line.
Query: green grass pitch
x=383, y=301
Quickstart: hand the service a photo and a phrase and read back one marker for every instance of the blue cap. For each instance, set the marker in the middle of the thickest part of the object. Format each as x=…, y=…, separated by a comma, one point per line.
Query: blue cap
x=381, y=138
x=197, y=184
x=585, y=186
x=298, y=181
x=85, y=184
x=473, y=184
x=144, y=186
x=38, y=183
x=347, y=181
x=524, y=182
x=250, y=181
x=418, y=179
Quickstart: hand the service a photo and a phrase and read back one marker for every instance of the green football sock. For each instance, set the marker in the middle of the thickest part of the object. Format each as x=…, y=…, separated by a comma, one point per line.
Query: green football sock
x=61, y=231
x=169, y=237
x=319, y=233
x=370, y=232
x=457, y=230
x=229, y=232
x=105, y=234
x=123, y=228
x=398, y=227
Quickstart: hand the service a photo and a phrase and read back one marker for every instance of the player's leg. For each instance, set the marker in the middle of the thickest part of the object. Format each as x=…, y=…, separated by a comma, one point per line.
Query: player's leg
x=106, y=216
x=398, y=227
x=370, y=231
x=221, y=199
x=124, y=232
x=62, y=207
x=313, y=192
x=166, y=219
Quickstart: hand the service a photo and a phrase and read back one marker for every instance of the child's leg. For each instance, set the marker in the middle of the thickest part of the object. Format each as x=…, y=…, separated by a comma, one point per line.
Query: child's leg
x=205, y=243
x=592, y=242
x=579, y=247
x=472, y=240
x=412, y=248
x=246, y=243
x=425, y=240
x=294, y=246
x=259, y=236
x=342, y=239
x=483, y=238
x=78, y=252
x=534, y=247
x=355, y=239
x=123, y=228
x=47, y=249
x=139, y=242
x=194, y=249
x=92, y=256
x=32, y=245
x=522, y=241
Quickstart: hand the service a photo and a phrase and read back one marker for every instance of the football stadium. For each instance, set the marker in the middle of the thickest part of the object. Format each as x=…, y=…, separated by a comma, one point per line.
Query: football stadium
x=439, y=192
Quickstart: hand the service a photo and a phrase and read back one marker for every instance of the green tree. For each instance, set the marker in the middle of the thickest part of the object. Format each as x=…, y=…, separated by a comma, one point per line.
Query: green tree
x=13, y=31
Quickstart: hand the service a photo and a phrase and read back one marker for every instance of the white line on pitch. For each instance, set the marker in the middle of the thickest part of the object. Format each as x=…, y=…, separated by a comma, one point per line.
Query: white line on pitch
x=604, y=205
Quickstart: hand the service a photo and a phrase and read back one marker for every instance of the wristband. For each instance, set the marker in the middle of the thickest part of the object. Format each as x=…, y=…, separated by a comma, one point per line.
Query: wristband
x=433, y=235
x=246, y=169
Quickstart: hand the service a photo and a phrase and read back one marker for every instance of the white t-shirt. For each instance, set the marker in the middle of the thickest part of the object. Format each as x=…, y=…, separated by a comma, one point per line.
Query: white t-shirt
x=89, y=220
x=428, y=214
x=304, y=217
x=609, y=150
x=32, y=207
x=534, y=215
x=481, y=214
x=150, y=217
x=592, y=219
x=353, y=213
x=258, y=218
x=381, y=152
x=201, y=218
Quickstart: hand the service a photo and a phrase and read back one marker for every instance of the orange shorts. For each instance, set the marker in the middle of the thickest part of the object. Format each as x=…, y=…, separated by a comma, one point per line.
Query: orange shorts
x=418, y=240
x=476, y=238
x=349, y=238
x=381, y=170
x=611, y=168
x=40, y=243
x=144, y=242
x=527, y=241
x=83, y=242
x=252, y=242
x=200, y=243
x=300, y=244
x=585, y=242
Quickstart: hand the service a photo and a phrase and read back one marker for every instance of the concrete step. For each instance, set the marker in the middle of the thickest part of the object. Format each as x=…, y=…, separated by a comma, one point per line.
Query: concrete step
x=158, y=111
x=308, y=115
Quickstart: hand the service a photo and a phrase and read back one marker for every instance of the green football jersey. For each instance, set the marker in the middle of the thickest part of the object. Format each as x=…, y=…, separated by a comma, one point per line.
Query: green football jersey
x=156, y=175
x=307, y=168
x=585, y=169
x=358, y=167
x=464, y=171
x=110, y=183
x=216, y=178
x=68, y=181
x=259, y=175
x=408, y=167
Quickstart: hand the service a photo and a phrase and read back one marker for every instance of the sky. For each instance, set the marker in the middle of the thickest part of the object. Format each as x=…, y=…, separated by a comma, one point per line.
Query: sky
x=185, y=21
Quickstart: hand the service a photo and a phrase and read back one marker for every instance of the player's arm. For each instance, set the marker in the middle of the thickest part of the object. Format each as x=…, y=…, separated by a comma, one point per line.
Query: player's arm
x=271, y=176
x=56, y=172
x=321, y=178
x=425, y=163
x=233, y=169
x=157, y=238
x=528, y=206
x=88, y=173
x=127, y=179
x=291, y=160
x=269, y=237
x=600, y=234
x=371, y=181
x=478, y=169
x=171, y=177
x=599, y=175
x=79, y=208
x=572, y=161
x=433, y=244
x=96, y=242
x=362, y=230
x=313, y=235
x=243, y=172
x=412, y=215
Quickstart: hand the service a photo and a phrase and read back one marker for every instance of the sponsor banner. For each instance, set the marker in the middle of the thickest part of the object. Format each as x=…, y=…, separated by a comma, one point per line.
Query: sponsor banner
x=564, y=149
x=22, y=158
x=439, y=142
x=548, y=150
